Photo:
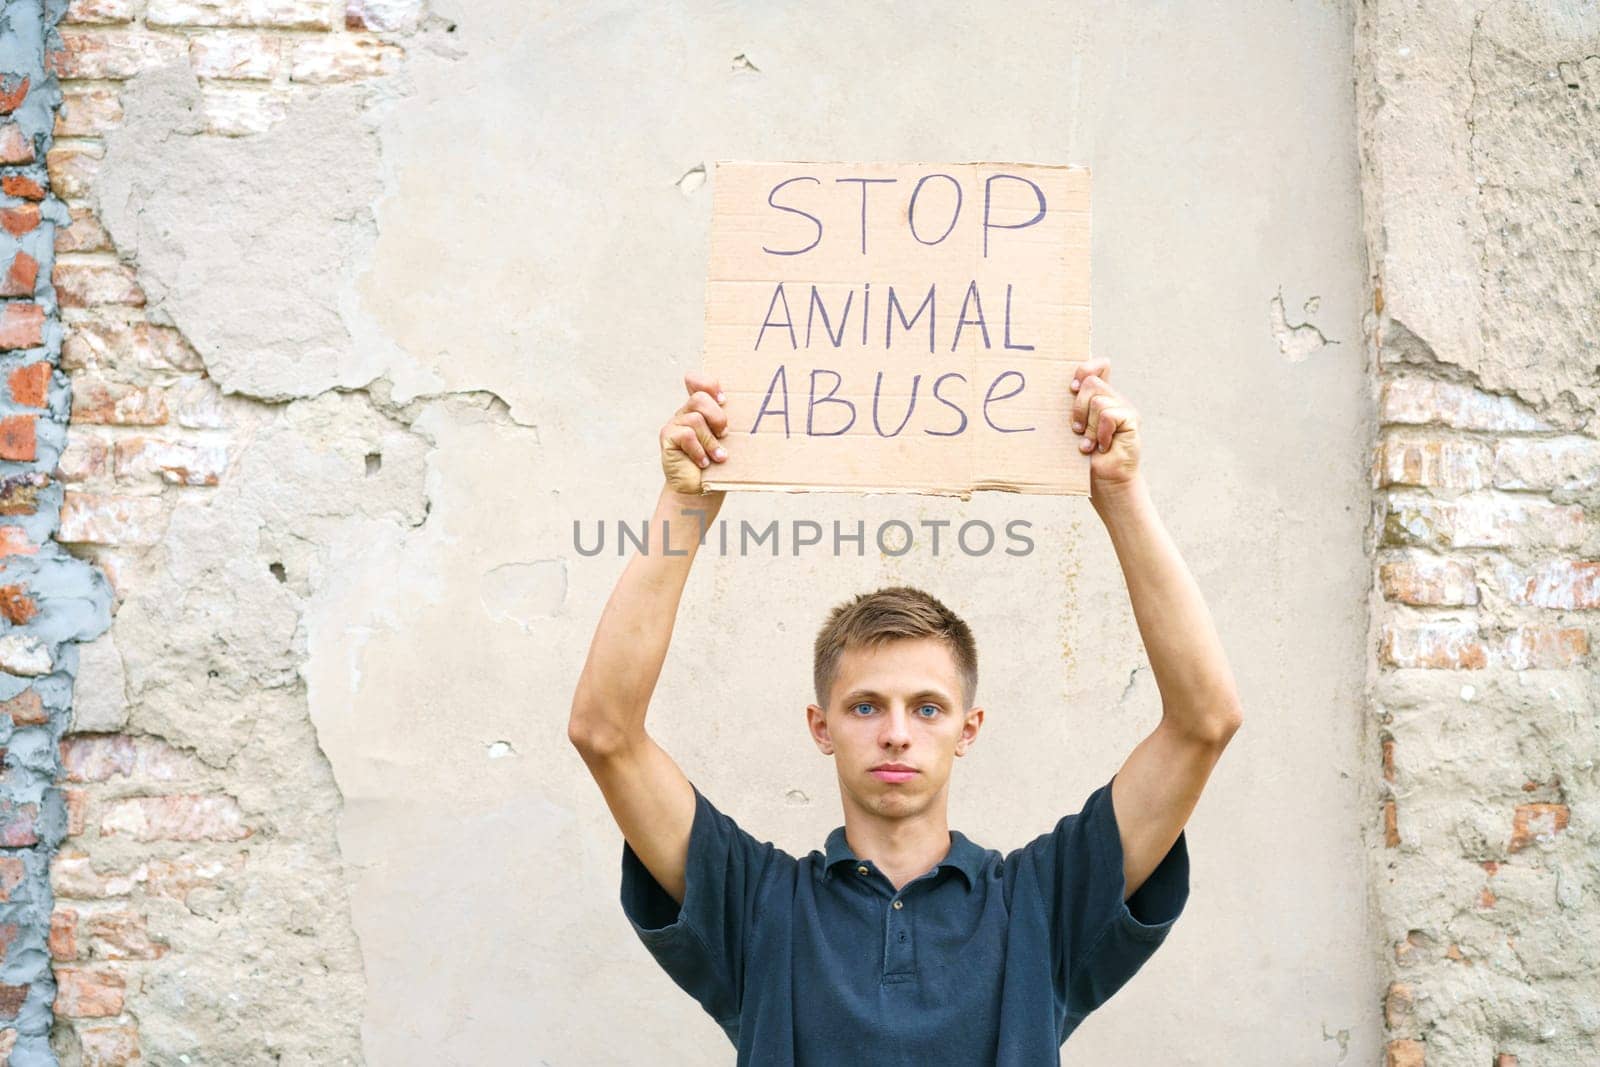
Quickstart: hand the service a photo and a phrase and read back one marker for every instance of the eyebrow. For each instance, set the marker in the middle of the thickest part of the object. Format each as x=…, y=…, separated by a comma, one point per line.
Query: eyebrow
x=856, y=695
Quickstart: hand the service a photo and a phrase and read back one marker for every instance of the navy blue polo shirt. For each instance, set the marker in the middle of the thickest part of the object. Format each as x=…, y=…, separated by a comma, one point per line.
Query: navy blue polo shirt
x=985, y=959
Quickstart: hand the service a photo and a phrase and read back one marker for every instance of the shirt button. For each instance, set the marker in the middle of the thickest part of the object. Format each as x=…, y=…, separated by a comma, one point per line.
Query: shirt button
x=899, y=904
x=861, y=870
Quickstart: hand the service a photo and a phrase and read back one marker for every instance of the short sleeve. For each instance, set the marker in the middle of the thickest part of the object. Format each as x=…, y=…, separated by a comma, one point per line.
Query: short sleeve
x=701, y=945
x=1098, y=940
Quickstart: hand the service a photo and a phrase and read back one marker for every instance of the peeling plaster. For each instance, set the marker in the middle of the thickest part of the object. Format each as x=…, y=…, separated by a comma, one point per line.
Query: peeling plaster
x=1296, y=341
x=1482, y=231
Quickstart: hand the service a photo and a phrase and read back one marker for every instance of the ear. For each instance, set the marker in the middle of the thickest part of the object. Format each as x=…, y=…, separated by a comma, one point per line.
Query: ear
x=969, y=730
x=817, y=723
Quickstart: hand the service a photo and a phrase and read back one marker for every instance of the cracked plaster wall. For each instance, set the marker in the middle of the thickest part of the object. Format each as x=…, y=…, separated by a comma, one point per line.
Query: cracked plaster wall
x=488, y=271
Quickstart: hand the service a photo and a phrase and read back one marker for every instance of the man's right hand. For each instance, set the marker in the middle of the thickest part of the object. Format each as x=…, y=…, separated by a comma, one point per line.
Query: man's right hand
x=690, y=440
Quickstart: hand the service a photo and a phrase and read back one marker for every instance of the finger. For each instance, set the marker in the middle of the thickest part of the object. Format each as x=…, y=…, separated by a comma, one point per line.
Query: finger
x=1092, y=386
x=709, y=409
x=695, y=381
x=1099, y=365
x=1098, y=405
x=703, y=435
x=1110, y=419
x=1113, y=421
x=684, y=439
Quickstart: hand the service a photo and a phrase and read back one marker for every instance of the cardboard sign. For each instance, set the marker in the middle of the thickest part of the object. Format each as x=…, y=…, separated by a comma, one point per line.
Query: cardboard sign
x=899, y=327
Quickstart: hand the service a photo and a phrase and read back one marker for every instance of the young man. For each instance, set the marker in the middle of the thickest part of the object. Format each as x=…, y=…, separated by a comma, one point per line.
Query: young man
x=903, y=942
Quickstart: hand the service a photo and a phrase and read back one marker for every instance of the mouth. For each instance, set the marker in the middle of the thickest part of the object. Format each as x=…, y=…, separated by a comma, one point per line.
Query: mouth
x=894, y=772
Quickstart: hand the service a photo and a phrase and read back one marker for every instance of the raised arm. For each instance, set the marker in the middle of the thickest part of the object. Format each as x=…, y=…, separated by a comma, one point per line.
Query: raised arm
x=649, y=796
x=1159, y=785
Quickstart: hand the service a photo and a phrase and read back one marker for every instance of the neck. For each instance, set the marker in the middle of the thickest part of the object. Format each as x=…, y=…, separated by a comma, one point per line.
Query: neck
x=903, y=847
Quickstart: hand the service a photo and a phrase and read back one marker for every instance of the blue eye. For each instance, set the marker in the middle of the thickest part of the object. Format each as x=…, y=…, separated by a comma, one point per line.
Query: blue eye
x=935, y=708
x=853, y=707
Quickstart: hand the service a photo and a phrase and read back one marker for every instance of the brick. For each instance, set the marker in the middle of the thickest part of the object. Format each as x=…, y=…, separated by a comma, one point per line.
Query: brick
x=19, y=220
x=400, y=16
x=16, y=147
x=14, y=541
x=13, y=91
x=181, y=817
x=282, y=14
x=99, y=401
x=1460, y=646
x=1410, y=400
x=1404, y=1053
x=8, y=936
x=18, y=438
x=77, y=810
x=1536, y=822
x=24, y=654
x=30, y=384
x=64, y=934
x=88, y=992
x=1409, y=457
x=200, y=407
x=1481, y=520
x=11, y=1000
x=235, y=112
x=1425, y=580
x=25, y=709
x=112, y=54
x=175, y=462
x=120, y=935
x=238, y=56
x=175, y=878
x=109, y=1046
x=98, y=12
x=22, y=277
x=80, y=285
x=17, y=828
x=1391, y=825
x=124, y=347
x=99, y=757
x=83, y=234
x=1437, y=646
x=21, y=326
x=73, y=168
x=86, y=458
x=88, y=112
x=119, y=567
x=1562, y=584
x=337, y=59
x=73, y=875
x=1546, y=463
x=22, y=186
x=1388, y=759
x=12, y=872
x=1505, y=1059
x=17, y=605
x=19, y=493
x=97, y=519
x=1544, y=647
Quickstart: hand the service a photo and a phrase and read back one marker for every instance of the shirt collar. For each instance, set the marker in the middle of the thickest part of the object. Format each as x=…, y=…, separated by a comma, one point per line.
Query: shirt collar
x=964, y=856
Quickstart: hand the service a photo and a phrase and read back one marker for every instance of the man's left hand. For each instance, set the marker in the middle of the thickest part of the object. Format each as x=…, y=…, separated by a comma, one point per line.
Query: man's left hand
x=1107, y=427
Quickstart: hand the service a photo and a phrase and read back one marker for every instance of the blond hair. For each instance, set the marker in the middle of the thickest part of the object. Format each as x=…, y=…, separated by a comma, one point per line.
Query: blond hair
x=893, y=613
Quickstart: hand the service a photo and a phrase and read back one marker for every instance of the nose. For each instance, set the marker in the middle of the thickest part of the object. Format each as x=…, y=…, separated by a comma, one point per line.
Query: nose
x=896, y=732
